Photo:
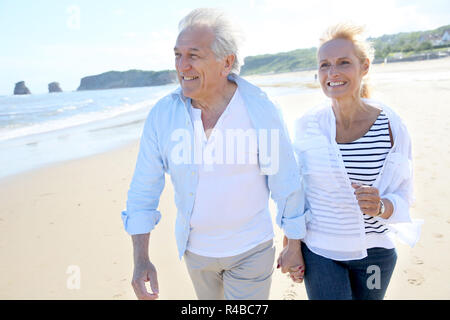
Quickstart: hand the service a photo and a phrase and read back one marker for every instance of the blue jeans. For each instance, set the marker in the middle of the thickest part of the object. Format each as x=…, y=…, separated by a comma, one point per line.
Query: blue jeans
x=364, y=279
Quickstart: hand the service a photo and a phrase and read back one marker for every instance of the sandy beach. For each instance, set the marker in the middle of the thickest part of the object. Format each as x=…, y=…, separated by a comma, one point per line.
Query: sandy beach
x=66, y=217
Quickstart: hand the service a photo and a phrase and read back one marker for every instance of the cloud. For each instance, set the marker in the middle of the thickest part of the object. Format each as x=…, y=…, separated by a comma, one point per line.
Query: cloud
x=283, y=25
x=129, y=35
x=119, y=12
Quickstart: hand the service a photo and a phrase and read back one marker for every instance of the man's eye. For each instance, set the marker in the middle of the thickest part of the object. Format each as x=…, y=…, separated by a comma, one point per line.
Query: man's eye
x=345, y=62
x=324, y=65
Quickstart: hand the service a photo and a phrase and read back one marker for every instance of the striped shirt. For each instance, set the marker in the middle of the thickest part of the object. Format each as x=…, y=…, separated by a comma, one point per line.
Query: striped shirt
x=363, y=160
x=335, y=224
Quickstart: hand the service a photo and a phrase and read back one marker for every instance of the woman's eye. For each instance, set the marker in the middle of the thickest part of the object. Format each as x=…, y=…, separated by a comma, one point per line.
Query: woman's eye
x=324, y=65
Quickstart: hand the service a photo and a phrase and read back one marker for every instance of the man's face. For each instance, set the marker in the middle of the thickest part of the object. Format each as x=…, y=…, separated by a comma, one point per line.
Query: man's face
x=198, y=69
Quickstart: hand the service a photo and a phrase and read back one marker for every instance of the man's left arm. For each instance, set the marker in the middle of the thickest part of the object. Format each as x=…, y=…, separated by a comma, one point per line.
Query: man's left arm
x=286, y=186
x=290, y=200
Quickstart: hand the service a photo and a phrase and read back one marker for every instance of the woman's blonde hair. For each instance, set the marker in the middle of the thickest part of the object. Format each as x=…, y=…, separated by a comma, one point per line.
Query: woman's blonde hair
x=363, y=48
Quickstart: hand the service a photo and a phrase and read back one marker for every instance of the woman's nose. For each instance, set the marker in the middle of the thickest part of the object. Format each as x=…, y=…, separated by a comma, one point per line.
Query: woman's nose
x=332, y=71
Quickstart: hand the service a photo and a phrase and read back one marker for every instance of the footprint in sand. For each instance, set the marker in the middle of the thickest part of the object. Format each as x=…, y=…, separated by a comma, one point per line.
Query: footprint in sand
x=438, y=235
x=417, y=260
x=46, y=194
x=290, y=293
x=414, y=278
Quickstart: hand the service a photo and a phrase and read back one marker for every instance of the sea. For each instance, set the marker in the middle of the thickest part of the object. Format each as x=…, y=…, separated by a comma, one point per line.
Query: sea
x=41, y=129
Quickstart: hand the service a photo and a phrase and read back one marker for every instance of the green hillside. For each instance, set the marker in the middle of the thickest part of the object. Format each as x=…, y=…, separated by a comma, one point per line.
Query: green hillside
x=409, y=42
x=385, y=46
x=280, y=62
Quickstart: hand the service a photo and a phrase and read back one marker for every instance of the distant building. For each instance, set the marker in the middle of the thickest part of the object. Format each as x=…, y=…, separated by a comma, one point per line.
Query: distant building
x=434, y=39
x=446, y=37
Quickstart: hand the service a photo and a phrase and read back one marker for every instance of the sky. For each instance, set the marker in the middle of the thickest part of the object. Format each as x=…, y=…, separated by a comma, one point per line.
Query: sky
x=65, y=40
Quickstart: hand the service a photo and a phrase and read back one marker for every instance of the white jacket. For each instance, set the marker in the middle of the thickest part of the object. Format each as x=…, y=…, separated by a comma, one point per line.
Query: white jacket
x=335, y=225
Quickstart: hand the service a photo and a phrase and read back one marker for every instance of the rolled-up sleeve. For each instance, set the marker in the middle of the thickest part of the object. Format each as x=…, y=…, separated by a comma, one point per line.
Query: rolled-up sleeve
x=401, y=207
x=141, y=214
x=403, y=197
x=291, y=211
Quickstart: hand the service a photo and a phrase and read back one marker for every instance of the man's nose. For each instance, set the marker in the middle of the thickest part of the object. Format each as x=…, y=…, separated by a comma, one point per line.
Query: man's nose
x=183, y=64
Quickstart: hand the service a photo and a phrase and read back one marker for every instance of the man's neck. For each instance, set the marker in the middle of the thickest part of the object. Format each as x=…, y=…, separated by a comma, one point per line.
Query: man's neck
x=218, y=100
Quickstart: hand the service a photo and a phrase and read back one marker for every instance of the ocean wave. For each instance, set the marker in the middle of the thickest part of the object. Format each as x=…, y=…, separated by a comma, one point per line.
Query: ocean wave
x=109, y=112
x=66, y=108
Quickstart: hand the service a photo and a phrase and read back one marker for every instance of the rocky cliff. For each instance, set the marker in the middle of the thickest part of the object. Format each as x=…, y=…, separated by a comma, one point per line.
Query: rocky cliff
x=20, y=88
x=127, y=79
x=54, y=87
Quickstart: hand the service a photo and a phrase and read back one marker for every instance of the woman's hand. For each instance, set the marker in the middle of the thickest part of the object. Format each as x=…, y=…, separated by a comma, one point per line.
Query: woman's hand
x=368, y=199
x=291, y=260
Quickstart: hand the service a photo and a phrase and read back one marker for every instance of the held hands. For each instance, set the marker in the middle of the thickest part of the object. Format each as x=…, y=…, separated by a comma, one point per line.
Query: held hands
x=368, y=199
x=145, y=271
x=291, y=260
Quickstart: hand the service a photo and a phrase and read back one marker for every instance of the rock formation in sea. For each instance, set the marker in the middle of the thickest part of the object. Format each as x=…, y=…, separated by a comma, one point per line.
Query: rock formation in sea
x=127, y=79
x=54, y=87
x=20, y=88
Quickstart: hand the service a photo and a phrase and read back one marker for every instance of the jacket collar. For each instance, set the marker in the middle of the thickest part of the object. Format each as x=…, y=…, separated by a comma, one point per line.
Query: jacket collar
x=330, y=121
x=244, y=86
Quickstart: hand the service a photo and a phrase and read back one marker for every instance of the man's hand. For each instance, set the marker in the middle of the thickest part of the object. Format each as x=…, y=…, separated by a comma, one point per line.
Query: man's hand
x=145, y=271
x=291, y=260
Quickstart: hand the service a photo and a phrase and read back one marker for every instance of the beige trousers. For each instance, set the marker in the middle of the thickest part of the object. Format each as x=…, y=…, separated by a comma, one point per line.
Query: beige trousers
x=245, y=276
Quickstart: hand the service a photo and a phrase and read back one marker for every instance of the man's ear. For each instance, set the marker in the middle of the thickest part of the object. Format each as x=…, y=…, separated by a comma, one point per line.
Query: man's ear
x=228, y=65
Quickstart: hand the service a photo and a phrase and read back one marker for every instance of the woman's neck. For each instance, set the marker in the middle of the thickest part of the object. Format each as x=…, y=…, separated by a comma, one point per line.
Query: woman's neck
x=348, y=111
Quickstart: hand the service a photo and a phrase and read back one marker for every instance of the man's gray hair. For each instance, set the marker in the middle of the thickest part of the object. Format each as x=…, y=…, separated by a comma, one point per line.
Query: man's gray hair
x=226, y=36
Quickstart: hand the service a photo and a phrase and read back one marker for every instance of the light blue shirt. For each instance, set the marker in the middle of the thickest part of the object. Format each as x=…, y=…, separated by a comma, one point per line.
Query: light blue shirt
x=165, y=146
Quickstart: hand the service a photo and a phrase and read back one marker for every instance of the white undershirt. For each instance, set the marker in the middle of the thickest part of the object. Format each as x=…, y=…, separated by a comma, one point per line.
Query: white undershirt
x=230, y=214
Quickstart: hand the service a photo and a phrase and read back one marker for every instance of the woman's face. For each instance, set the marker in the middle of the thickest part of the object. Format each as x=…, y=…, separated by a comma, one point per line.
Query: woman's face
x=340, y=70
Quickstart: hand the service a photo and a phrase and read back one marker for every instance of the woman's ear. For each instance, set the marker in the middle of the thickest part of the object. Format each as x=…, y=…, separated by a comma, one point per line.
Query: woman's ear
x=365, y=67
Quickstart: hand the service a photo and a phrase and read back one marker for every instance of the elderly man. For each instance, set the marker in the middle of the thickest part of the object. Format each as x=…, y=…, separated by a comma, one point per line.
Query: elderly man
x=223, y=227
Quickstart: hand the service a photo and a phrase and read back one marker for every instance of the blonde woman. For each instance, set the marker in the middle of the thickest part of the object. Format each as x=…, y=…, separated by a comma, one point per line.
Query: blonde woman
x=355, y=158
